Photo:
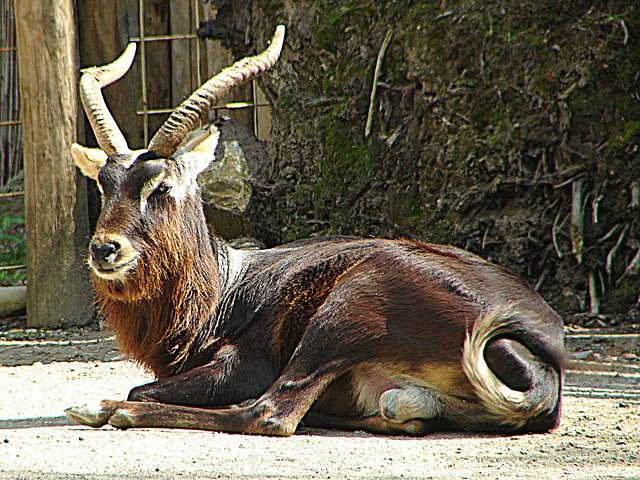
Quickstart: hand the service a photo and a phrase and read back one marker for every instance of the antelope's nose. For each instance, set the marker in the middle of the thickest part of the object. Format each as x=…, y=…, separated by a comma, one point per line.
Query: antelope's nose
x=104, y=253
x=111, y=255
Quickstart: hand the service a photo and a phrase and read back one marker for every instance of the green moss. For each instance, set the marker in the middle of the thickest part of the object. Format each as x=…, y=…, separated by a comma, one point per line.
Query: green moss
x=347, y=162
x=623, y=134
x=330, y=21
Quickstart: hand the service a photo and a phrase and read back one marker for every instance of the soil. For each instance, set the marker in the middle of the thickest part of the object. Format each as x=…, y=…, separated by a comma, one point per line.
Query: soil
x=510, y=129
x=44, y=372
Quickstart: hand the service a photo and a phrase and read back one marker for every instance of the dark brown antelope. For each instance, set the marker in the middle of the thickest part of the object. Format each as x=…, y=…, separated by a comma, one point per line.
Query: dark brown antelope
x=395, y=337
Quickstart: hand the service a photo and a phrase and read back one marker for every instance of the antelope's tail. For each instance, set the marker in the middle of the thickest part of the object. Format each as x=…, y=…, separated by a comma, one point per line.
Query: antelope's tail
x=514, y=360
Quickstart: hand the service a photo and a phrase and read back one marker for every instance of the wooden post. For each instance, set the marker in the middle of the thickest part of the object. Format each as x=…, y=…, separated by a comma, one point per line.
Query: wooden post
x=58, y=290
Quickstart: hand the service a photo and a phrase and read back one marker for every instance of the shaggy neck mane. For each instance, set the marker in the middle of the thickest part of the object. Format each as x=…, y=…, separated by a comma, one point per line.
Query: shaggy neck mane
x=156, y=311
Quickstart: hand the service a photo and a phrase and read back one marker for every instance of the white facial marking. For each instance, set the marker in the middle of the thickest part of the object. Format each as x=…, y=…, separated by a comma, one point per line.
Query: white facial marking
x=117, y=273
x=148, y=188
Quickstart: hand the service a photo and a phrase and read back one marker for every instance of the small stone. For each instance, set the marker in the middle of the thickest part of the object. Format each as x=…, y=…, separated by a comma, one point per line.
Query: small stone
x=602, y=357
x=582, y=355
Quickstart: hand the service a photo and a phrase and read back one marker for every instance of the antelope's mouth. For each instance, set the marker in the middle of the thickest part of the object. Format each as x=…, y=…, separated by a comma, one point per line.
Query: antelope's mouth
x=112, y=271
x=111, y=256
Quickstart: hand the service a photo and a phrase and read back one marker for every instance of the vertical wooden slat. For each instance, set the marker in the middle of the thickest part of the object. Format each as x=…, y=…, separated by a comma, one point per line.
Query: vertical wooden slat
x=263, y=115
x=198, y=52
x=182, y=55
x=55, y=202
x=10, y=132
x=142, y=47
x=158, y=59
x=104, y=29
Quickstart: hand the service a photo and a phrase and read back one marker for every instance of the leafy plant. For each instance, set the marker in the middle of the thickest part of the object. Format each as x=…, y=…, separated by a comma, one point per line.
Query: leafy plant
x=12, y=249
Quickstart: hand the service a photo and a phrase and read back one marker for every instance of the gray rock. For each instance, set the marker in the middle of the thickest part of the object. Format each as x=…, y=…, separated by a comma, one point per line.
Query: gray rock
x=224, y=184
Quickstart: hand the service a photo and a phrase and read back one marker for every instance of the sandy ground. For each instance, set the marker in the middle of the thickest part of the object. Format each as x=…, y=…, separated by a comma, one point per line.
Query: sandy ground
x=599, y=436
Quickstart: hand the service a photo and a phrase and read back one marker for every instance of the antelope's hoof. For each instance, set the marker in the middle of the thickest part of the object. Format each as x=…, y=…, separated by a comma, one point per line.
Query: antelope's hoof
x=121, y=419
x=91, y=416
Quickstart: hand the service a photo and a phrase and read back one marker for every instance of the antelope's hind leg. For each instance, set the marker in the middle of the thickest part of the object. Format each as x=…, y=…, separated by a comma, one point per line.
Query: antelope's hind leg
x=408, y=403
x=277, y=411
x=406, y=410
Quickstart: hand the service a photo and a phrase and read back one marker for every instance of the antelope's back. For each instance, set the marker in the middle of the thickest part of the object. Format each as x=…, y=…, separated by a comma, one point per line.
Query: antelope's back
x=440, y=289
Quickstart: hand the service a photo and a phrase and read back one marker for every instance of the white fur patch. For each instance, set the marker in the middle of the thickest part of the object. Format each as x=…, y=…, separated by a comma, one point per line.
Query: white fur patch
x=235, y=264
x=408, y=403
x=510, y=406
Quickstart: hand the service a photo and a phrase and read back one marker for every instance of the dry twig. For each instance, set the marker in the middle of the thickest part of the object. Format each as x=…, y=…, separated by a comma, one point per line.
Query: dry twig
x=594, y=301
x=376, y=76
x=577, y=219
x=612, y=253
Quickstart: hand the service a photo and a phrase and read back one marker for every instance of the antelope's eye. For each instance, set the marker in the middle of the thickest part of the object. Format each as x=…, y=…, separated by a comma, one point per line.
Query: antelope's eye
x=161, y=190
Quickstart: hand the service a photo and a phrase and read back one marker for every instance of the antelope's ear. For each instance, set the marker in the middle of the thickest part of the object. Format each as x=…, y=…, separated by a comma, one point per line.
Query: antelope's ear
x=88, y=160
x=198, y=151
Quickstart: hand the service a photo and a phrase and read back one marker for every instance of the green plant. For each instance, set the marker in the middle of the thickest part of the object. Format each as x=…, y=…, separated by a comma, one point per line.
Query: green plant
x=12, y=249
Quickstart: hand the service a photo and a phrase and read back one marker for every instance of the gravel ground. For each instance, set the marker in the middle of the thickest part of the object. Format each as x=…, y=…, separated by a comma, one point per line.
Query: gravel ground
x=45, y=372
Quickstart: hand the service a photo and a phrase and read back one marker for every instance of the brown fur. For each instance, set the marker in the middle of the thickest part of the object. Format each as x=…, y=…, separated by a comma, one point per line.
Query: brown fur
x=387, y=336
x=375, y=314
x=174, y=286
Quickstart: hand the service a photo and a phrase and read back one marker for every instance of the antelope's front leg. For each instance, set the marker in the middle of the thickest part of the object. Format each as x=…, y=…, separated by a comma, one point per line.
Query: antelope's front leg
x=277, y=412
x=128, y=414
x=97, y=416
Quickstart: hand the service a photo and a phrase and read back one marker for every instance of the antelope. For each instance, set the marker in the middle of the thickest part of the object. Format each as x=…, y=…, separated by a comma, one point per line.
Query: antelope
x=387, y=336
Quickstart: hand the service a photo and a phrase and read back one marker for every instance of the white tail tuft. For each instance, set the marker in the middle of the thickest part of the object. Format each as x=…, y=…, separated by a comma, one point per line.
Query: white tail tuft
x=511, y=407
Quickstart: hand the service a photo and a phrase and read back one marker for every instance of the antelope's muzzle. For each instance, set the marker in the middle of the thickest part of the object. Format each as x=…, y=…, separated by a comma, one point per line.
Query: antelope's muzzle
x=111, y=256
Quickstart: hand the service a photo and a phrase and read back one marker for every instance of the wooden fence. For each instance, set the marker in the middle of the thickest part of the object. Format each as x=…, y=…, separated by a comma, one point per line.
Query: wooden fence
x=171, y=62
x=10, y=130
